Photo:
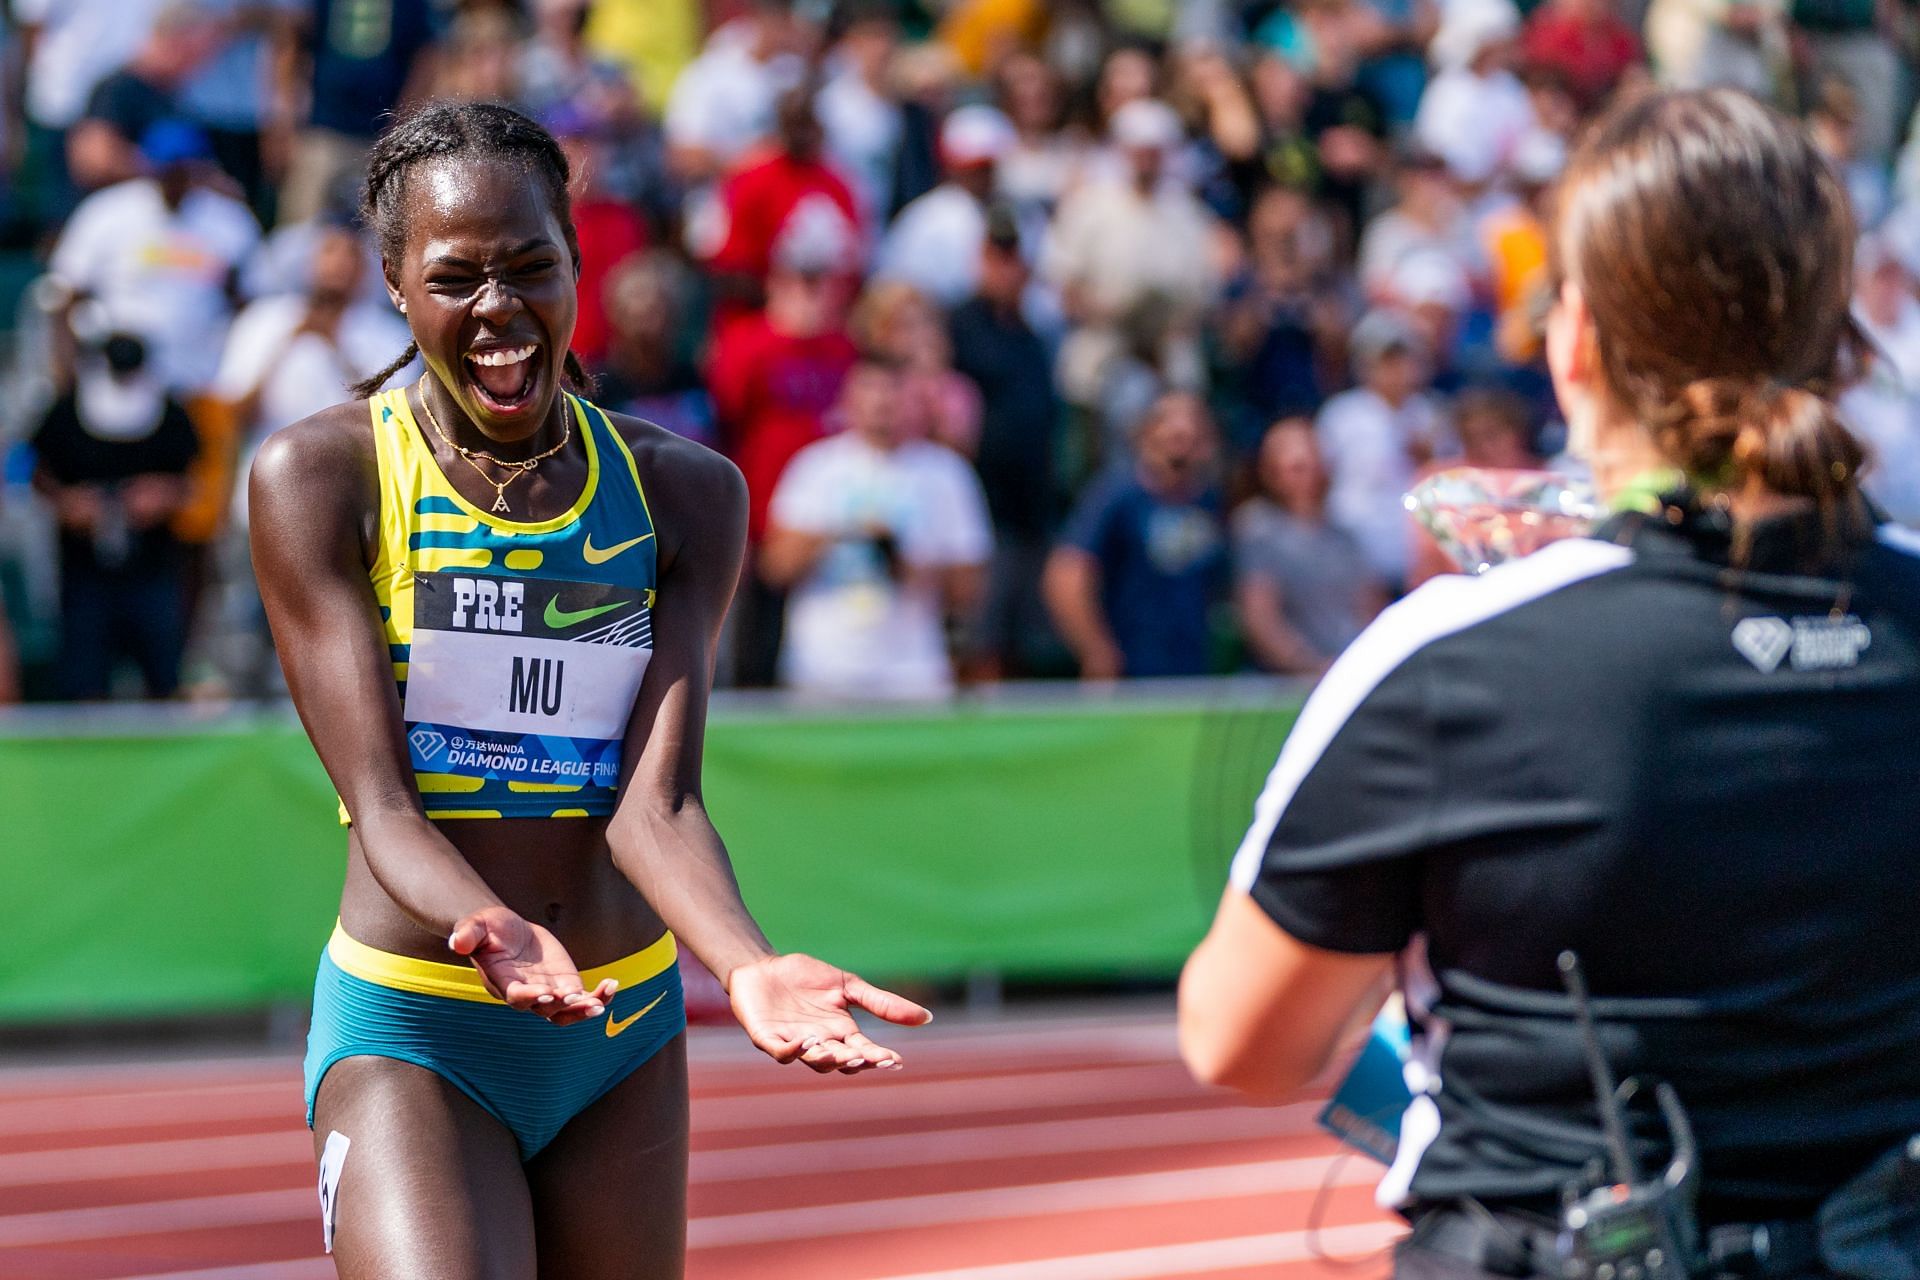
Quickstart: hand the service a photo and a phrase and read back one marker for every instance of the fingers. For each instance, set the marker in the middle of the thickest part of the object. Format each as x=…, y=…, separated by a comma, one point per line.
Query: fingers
x=885, y=1004
x=850, y=1055
x=467, y=936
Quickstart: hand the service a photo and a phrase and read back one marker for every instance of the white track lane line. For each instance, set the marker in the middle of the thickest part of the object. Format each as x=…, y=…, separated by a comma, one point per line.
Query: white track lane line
x=1033, y=1200
x=766, y=1226
x=1197, y=1258
x=810, y=1100
x=293, y=1148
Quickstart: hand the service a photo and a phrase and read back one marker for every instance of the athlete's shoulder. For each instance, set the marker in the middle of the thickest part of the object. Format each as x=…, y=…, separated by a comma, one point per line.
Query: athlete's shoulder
x=683, y=476
x=324, y=459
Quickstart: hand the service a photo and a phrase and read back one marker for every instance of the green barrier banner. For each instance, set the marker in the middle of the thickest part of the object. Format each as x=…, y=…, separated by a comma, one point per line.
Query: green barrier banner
x=181, y=869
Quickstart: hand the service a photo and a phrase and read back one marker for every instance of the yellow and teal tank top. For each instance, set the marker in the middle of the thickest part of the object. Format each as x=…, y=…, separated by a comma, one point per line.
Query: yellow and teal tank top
x=518, y=647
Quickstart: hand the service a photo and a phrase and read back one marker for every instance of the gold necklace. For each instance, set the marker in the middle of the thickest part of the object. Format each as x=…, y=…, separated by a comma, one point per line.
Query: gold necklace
x=515, y=467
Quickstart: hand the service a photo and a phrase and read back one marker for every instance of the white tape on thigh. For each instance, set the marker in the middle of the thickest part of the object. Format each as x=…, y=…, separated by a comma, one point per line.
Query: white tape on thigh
x=332, y=1158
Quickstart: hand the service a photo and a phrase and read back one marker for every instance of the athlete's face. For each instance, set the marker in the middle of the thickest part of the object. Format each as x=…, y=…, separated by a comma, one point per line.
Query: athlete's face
x=486, y=282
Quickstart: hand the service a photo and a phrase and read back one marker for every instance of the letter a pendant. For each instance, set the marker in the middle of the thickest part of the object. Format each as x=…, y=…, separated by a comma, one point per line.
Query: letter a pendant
x=500, y=499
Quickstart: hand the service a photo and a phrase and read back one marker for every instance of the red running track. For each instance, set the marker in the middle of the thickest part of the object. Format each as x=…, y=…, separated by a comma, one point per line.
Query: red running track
x=1064, y=1148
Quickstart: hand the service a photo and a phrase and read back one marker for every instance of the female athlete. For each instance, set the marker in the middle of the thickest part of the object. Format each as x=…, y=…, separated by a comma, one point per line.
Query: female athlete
x=497, y=607
x=1680, y=750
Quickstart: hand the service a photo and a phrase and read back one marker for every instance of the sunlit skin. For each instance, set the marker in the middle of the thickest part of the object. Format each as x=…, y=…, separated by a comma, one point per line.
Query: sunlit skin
x=487, y=265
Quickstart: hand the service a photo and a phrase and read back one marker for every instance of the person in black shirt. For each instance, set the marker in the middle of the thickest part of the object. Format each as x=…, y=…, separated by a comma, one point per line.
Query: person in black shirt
x=103, y=147
x=111, y=455
x=1019, y=433
x=1680, y=747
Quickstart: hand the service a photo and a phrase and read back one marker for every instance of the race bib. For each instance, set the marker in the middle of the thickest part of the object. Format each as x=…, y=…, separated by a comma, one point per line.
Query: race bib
x=523, y=679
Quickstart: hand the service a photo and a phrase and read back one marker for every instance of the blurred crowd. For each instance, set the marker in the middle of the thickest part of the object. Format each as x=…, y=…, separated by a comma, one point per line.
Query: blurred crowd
x=1081, y=337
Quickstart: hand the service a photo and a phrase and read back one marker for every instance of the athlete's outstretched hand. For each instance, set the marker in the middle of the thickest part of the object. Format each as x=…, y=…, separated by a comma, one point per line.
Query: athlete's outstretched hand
x=794, y=1007
x=526, y=966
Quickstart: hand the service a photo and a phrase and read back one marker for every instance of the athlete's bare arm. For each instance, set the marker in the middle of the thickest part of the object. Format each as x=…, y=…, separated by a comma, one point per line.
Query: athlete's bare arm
x=313, y=503
x=792, y=1006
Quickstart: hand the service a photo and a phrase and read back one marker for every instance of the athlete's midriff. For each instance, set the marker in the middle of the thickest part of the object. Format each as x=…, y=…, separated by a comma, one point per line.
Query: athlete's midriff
x=556, y=873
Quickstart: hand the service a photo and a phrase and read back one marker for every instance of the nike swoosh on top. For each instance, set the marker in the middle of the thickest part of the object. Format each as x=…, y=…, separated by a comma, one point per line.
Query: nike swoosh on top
x=558, y=618
x=600, y=555
x=614, y=1027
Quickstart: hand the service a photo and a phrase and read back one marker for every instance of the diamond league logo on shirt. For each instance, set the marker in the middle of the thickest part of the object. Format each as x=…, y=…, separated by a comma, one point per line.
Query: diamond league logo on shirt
x=426, y=742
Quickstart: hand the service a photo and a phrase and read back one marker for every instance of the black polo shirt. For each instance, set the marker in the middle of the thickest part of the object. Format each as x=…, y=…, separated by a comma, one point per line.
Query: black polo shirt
x=1706, y=782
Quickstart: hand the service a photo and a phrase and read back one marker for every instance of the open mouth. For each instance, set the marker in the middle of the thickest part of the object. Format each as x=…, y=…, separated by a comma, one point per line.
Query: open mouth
x=505, y=378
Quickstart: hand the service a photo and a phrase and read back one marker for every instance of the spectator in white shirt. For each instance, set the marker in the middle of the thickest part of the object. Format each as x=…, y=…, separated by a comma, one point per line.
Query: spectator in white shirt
x=160, y=255
x=878, y=539
x=1475, y=111
x=934, y=245
x=293, y=354
x=1376, y=436
x=1117, y=242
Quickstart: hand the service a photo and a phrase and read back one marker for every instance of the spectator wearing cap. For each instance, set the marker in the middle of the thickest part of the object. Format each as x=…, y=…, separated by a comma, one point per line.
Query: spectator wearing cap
x=356, y=74
x=856, y=104
x=1119, y=242
x=159, y=255
x=1586, y=42
x=879, y=539
x=1476, y=111
x=1142, y=562
x=1376, y=436
x=775, y=374
x=103, y=146
x=934, y=244
x=725, y=100
x=768, y=193
x=1019, y=435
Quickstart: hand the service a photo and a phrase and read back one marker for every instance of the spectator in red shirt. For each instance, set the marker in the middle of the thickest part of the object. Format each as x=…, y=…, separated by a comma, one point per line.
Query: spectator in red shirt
x=775, y=375
x=1586, y=42
x=766, y=193
x=609, y=229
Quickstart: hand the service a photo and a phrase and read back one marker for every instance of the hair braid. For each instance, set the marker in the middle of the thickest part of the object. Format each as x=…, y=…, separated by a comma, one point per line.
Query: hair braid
x=370, y=386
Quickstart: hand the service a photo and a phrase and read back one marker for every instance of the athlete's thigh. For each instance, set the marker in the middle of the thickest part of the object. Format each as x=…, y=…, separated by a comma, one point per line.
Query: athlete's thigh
x=431, y=1188
x=610, y=1192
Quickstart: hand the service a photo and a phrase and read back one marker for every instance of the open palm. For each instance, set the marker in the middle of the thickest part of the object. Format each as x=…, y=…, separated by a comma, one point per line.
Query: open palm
x=525, y=965
x=794, y=1007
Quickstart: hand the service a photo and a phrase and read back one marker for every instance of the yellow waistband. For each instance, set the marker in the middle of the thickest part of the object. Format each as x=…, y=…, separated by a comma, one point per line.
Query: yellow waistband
x=462, y=981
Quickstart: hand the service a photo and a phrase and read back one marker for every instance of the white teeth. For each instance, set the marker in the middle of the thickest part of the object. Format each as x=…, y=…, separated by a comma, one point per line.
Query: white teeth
x=494, y=359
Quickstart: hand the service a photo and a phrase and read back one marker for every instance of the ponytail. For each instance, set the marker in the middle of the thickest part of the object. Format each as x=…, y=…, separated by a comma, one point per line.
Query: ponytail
x=1740, y=434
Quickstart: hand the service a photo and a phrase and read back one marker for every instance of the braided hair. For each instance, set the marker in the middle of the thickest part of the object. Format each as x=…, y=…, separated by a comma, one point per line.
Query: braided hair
x=443, y=130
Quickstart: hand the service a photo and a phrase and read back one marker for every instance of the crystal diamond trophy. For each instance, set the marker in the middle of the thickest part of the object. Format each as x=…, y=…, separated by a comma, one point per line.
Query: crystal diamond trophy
x=1482, y=517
